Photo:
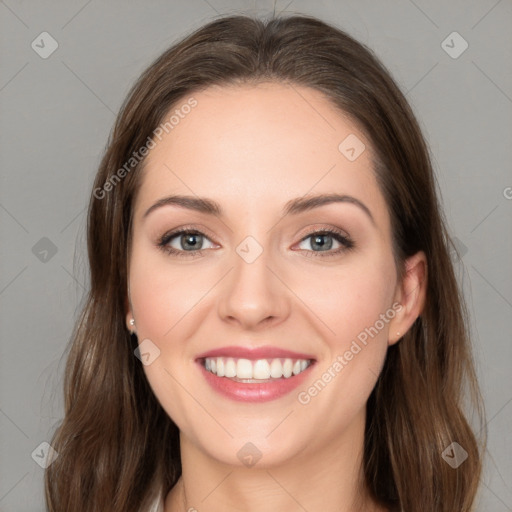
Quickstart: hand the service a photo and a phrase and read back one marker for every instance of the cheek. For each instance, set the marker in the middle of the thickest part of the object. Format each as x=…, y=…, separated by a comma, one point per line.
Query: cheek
x=152, y=300
x=161, y=295
x=356, y=308
x=365, y=298
x=164, y=302
x=349, y=300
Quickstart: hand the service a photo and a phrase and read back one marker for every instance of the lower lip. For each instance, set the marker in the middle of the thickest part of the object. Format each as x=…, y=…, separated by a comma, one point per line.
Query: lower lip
x=254, y=392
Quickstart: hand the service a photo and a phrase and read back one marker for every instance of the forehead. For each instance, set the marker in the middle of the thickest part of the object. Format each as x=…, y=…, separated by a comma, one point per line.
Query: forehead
x=253, y=143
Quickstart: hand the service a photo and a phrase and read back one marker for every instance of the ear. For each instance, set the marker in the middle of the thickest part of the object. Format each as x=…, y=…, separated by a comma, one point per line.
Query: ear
x=411, y=294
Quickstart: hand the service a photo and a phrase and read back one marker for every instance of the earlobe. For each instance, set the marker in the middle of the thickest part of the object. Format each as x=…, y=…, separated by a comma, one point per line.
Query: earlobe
x=411, y=295
x=130, y=322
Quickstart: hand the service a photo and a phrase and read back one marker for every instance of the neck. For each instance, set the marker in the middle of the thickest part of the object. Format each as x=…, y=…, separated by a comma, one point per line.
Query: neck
x=326, y=477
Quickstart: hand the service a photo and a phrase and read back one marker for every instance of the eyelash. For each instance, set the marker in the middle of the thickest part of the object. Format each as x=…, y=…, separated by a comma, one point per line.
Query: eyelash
x=346, y=243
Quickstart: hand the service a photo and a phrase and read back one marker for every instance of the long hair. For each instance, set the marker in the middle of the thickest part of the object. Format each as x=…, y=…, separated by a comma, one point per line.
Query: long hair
x=117, y=447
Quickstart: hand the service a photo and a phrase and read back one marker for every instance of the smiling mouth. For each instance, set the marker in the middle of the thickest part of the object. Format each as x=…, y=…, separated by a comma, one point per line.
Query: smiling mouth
x=255, y=371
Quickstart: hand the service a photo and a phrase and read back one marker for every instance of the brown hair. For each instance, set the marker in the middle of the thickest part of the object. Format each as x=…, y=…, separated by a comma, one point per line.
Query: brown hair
x=117, y=446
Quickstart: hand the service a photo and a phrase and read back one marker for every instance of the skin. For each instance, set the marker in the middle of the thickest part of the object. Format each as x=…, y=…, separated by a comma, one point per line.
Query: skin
x=252, y=149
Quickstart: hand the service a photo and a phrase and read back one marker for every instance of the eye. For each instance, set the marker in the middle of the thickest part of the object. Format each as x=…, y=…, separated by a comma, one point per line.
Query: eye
x=324, y=240
x=187, y=242
x=184, y=242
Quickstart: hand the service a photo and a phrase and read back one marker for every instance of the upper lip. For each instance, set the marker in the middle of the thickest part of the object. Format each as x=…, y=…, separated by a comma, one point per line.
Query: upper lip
x=254, y=353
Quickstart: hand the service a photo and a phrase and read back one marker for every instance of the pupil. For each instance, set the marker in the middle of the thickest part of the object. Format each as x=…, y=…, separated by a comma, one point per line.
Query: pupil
x=187, y=239
x=320, y=243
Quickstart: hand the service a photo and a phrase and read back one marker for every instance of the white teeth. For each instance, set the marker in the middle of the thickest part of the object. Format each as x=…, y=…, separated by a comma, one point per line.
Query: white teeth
x=220, y=367
x=276, y=369
x=287, y=368
x=261, y=369
x=244, y=369
x=230, y=368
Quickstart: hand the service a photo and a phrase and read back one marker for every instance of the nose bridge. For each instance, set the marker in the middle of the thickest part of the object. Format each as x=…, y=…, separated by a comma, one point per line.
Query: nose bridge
x=252, y=293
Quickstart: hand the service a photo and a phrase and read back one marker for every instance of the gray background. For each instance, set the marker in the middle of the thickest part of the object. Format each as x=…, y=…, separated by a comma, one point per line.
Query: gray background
x=56, y=114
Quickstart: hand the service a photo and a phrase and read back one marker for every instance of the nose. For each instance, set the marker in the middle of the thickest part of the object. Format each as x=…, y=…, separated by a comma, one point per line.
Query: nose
x=253, y=294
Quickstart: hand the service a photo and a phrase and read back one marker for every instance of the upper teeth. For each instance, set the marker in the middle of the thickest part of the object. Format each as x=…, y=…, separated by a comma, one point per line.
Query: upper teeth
x=260, y=369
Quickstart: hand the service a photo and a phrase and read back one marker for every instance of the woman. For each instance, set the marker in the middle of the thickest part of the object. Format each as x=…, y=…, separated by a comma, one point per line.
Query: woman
x=273, y=320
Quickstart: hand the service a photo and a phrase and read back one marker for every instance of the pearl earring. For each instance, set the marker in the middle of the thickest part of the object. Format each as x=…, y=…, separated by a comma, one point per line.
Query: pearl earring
x=132, y=322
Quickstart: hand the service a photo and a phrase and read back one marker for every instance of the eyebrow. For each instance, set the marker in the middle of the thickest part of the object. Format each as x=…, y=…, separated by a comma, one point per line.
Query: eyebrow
x=292, y=207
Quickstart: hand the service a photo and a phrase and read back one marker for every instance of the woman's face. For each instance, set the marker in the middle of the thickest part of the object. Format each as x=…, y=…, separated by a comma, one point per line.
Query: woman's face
x=261, y=273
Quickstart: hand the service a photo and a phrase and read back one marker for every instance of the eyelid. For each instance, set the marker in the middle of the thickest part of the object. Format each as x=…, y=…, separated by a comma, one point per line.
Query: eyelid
x=199, y=228
x=319, y=227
